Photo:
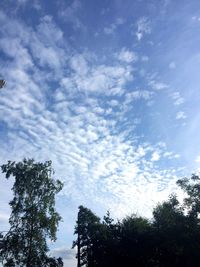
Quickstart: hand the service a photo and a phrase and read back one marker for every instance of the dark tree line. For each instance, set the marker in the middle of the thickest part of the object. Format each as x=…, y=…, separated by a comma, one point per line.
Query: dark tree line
x=170, y=238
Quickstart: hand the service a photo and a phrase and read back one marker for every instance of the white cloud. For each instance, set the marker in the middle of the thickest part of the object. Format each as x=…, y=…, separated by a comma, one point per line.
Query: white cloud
x=139, y=94
x=181, y=115
x=100, y=79
x=109, y=30
x=141, y=151
x=127, y=55
x=158, y=85
x=46, y=29
x=113, y=27
x=155, y=156
x=178, y=99
x=171, y=155
x=143, y=27
x=79, y=64
x=70, y=14
x=114, y=103
x=196, y=18
x=197, y=159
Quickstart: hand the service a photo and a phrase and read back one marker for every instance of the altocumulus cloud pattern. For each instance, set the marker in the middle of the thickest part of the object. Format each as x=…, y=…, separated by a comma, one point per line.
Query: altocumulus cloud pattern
x=107, y=91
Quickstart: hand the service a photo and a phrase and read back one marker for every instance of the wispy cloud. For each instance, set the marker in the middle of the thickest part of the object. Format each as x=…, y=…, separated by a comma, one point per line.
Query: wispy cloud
x=127, y=56
x=113, y=26
x=100, y=79
x=143, y=27
x=157, y=85
x=181, y=115
x=69, y=13
x=196, y=18
x=178, y=99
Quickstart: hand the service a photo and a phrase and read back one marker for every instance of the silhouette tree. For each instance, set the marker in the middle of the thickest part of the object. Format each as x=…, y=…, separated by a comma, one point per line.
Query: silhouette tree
x=33, y=217
x=169, y=226
x=105, y=240
x=170, y=238
x=136, y=248
x=53, y=262
x=2, y=83
x=192, y=189
x=85, y=229
x=191, y=207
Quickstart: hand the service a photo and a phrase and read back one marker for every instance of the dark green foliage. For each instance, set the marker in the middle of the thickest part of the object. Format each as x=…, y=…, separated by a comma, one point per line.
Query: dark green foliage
x=170, y=239
x=169, y=229
x=135, y=241
x=2, y=83
x=86, y=228
x=33, y=217
x=106, y=242
x=192, y=201
x=52, y=262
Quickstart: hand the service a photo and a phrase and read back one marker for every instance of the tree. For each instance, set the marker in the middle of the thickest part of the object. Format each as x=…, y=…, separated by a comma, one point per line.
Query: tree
x=170, y=228
x=53, y=262
x=135, y=245
x=171, y=238
x=33, y=215
x=192, y=210
x=2, y=83
x=192, y=201
x=107, y=248
x=86, y=229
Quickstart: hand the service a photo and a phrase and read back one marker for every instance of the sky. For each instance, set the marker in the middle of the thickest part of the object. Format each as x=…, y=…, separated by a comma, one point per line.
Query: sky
x=107, y=90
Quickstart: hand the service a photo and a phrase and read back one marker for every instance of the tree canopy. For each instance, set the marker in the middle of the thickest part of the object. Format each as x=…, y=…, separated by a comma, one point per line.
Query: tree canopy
x=170, y=238
x=33, y=215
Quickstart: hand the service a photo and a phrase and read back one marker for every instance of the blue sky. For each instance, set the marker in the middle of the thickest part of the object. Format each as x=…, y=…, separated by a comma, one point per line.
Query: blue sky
x=109, y=91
